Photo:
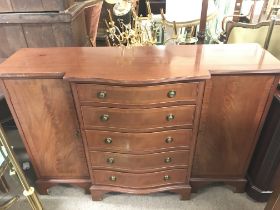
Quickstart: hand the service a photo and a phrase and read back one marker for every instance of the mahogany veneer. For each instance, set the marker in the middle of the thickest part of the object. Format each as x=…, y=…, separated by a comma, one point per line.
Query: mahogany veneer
x=147, y=95
x=136, y=169
x=138, y=119
x=138, y=142
x=218, y=95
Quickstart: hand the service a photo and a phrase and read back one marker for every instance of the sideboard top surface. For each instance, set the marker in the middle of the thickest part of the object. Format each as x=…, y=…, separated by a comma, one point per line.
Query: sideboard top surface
x=139, y=64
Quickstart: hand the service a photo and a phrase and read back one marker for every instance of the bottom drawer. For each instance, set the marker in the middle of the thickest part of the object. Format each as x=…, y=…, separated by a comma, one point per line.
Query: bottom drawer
x=147, y=180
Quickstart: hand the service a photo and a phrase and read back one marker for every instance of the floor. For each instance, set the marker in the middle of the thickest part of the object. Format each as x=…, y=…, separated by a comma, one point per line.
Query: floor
x=211, y=198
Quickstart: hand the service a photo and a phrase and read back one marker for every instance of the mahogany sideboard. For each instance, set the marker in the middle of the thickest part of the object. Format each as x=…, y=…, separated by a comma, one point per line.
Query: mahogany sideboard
x=140, y=120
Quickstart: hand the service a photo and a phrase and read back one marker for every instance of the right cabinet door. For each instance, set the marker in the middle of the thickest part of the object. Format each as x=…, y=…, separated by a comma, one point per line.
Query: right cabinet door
x=232, y=110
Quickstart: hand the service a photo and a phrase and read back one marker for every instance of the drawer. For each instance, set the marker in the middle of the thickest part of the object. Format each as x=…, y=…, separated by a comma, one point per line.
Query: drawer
x=138, y=163
x=185, y=92
x=133, y=119
x=130, y=180
x=138, y=142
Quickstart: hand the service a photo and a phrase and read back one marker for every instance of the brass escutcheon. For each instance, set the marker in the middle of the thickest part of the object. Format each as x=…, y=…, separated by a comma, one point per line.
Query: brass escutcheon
x=113, y=178
x=102, y=94
x=166, y=177
x=168, y=159
x=104, y=117
x=110, y=160
x=171, y=94
x=170, y=117
x=108, y=140
x=169, y=140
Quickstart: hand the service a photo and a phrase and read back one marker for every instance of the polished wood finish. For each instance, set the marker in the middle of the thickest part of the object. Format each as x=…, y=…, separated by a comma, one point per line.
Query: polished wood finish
x=226, y=116
x=139, y=120
x=34, y=5
x=43, y=109
x=137, y=143
x=148, y=95
x=147, y=180
x=146, y=65
x=120, y=117
x=139, y=163
x=263, y=173
x=230, y=119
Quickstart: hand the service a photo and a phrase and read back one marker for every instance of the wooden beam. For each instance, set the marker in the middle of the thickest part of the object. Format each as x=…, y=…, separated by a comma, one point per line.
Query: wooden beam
x=203, y=19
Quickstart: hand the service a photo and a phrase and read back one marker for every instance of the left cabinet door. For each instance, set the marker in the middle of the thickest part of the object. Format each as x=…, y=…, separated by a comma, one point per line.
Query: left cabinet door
x=46, y=117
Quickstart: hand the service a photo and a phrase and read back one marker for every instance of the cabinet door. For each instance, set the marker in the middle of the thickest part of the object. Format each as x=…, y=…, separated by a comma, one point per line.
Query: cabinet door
x=46, y=116
x=231, y=113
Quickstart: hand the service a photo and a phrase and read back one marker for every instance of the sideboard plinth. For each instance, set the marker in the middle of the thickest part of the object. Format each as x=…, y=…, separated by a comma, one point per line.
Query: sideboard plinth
x=98, y=191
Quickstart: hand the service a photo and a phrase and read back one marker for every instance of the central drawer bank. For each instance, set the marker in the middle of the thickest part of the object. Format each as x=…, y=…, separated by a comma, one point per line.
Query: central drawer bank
x=140, y=120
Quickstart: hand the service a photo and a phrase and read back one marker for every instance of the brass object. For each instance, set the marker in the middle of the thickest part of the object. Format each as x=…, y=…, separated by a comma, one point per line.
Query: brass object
x=110, y=160
x=101, y=94
x=108, y=140
x=170, y=117
x=104, y=117
x=171, y=94
x=113, y=178
x=168, y=160
x=141, y=31
x=29, y=191
x=166, y=178
x=169, y=140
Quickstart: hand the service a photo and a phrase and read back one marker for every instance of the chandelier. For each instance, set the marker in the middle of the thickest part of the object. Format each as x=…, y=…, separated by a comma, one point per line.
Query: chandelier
x=126, y=28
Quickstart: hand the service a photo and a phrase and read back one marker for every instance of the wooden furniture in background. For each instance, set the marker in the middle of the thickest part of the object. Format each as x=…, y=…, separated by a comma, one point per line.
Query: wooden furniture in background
x=34, y=5
x=240, y=82
x=264, y=171
x=44, y=29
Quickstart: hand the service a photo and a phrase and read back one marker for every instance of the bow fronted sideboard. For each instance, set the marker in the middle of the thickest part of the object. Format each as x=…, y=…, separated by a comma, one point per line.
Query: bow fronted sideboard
x=142, y=119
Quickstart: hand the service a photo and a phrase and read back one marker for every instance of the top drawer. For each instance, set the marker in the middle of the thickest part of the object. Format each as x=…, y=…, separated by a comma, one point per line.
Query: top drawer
x=147, y=95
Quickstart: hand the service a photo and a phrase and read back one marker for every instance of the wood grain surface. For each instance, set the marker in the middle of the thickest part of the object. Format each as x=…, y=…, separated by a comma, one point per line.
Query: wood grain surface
x=34, y=5
x=136, y=143
x=137, y=120
x=47, y=117
x=147, y=180
x=141, y=96
x=140, y=65
x=231, y=113
x=139, y=163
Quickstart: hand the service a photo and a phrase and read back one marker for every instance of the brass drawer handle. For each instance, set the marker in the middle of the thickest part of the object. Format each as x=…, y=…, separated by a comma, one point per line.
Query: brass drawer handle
x=168, y=160
x=171, y=94
x=113, y=178
x=102, y=94
x=166, y=178
x=169, y=140
x=110, y=160
x=170, y=117
x=108, y=140
x=104, y=117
